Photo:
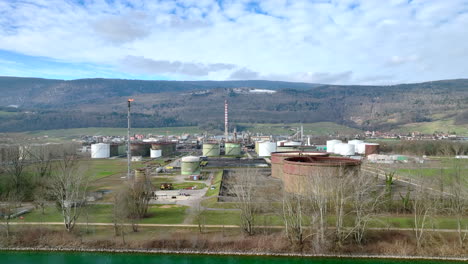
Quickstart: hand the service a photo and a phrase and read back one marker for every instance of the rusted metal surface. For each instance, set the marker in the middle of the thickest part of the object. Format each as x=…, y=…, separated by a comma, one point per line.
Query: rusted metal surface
x=297, y=171
x=372, y=149
x=277, y=159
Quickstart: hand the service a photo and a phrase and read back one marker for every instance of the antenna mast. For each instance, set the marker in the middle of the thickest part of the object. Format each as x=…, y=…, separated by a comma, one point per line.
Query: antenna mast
x=129, y=152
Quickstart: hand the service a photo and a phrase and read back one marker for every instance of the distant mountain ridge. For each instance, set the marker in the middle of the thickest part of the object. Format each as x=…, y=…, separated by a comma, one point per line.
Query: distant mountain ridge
x=52, y=104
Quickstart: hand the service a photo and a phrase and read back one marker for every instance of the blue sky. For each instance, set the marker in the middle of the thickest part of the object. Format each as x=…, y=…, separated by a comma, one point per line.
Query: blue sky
x=342, y=42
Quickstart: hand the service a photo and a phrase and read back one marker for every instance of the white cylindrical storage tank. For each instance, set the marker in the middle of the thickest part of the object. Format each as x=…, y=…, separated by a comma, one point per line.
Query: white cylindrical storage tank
x=347, y=150
x=355, y=142
x=155, y=153
x=361, y=148
x=190, y=165
x=280, y=143
x=292, y=143
x=331, y=145
x=266, y=148
x=100, y=151
x=337, y=148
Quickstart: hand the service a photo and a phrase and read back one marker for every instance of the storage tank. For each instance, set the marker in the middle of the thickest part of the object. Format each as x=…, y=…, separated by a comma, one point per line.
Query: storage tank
x=140, y=174
x=190, y=165
x=114, y=150
x=371, y=148
x=292, y=144
x=232, y=149
x=338, y=148
x=355, y=142
x=100, y=151
x=140, y=149
x=167, y=148
x=347, y=150
x=155, y=153
x=331, y=145
x=211, y=149
x=285, y=149
x=361, y=148
x=257, y=144
x=277, y=159
x=280, y=143
x=299, y=173
x=266, y=148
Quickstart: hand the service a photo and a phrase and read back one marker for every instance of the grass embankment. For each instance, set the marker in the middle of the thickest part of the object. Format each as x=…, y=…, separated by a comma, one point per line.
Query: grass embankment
x=102, y=213
x=230, y=217
x=216, y=182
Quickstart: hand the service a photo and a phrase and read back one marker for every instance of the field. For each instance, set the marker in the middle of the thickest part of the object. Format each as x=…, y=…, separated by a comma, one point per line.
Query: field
x=109, y=131
x=445, y=126
x=319, y=129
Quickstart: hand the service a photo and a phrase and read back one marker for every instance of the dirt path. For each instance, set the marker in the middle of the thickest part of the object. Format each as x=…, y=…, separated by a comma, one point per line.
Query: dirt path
x=225, y=226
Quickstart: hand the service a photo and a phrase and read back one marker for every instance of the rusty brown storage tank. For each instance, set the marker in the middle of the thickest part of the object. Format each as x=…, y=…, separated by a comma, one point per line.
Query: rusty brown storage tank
x=298, y=171
x=277, y=159
x=140, y=149
x=371, y=148
x=167, y=148
x=140, y=174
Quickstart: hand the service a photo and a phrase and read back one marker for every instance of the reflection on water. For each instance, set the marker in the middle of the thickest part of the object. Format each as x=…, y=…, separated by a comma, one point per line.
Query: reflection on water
x=109, y=258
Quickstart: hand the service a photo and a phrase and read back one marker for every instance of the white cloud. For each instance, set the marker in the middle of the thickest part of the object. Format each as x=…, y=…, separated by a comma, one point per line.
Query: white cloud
x=317, y=41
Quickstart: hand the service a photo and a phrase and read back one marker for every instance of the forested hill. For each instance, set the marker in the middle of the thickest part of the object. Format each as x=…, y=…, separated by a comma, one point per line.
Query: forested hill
x=52, y=104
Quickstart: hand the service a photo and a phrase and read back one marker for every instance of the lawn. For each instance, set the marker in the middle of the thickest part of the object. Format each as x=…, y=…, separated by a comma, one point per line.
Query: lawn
x=157, y=214
x=216, y=181
x=185, y=185
x=212, y=202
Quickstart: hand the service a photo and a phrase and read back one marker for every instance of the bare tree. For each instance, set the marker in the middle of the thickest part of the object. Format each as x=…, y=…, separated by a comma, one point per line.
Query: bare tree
x=365, y=198
x=423, y=207
x=68, y=185
x=120, y=213
x=7, y=210
x=294, y=211
x=137, y=195
x=244, y=187
x=458, y=202
x=15, y=164
x=43, y=168
x=342, y=193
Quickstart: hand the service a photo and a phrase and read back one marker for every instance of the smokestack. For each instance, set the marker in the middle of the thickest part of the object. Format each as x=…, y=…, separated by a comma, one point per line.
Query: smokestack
x=226, y=133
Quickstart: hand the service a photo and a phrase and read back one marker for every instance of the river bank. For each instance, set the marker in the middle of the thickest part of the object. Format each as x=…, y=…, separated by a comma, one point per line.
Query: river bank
x=390, y=244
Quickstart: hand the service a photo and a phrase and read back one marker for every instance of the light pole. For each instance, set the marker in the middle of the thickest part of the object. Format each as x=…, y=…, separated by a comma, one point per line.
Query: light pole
x=129, y=152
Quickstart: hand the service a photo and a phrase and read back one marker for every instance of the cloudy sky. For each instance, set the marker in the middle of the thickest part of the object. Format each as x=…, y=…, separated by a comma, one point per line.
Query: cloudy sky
x=342, y=42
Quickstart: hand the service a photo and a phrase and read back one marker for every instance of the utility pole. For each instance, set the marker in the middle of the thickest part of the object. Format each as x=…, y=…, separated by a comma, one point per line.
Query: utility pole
x=129, y=152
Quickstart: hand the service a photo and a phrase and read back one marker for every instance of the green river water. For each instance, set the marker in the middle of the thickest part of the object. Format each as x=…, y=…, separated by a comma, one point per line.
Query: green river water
x=15, y=257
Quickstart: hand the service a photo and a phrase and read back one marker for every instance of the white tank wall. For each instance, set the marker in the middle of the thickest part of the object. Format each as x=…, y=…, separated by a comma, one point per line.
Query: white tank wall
x=155, y=153
x=361, y=148
x=347, y=150
x=292, y=143
x=337, y=148
x=331, y=145
x=355, y=142
x=100, y=151
x=266, y=148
